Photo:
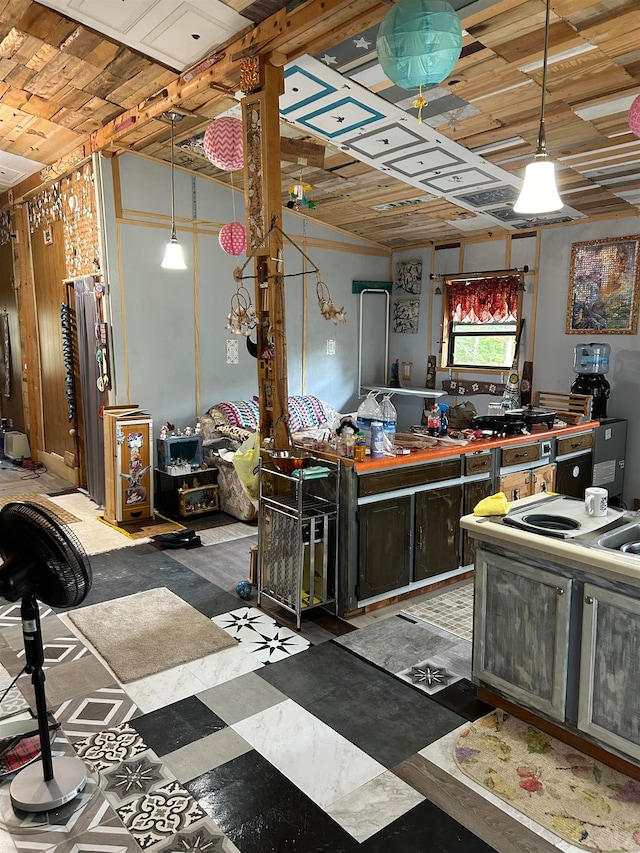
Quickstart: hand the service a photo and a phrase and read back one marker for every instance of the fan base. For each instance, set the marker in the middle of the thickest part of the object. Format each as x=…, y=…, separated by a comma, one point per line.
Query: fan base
x=31, y=793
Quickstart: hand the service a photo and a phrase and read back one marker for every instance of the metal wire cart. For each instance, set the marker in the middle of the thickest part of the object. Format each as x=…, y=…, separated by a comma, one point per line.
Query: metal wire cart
x=298, y=535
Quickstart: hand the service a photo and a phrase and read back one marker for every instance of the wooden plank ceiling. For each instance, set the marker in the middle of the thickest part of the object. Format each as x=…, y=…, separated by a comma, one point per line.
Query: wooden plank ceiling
x=66, y=89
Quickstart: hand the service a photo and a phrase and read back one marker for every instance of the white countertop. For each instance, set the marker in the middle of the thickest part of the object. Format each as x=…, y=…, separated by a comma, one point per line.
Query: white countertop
x=570, y=552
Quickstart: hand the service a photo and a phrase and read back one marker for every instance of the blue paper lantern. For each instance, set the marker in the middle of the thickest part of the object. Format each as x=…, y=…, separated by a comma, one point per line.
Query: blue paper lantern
x=419, y=42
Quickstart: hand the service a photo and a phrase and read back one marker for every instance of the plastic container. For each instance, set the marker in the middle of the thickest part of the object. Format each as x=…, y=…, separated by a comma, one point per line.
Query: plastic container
x=368, y=411
x=360, y=448
x=389, y=419
x=591, y=358
x=377, y=439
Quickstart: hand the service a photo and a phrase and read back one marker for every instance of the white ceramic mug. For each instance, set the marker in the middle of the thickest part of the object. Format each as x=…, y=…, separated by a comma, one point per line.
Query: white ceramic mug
x=596, y=501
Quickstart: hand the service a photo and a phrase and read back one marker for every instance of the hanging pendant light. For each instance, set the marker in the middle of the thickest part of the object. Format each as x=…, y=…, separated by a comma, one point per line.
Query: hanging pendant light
x=173, y=257
x=539, y=193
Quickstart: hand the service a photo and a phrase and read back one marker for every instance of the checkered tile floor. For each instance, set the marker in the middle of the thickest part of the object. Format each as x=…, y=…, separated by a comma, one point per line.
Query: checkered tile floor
x=452, y=611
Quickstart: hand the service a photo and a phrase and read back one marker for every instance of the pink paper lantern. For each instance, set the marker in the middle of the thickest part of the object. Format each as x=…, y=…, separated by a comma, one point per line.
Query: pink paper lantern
x=634, y=116
x=224, y=143
x=233, y=238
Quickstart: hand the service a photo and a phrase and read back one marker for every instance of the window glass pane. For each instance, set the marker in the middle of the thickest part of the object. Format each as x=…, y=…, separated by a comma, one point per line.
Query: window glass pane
x=483, y=350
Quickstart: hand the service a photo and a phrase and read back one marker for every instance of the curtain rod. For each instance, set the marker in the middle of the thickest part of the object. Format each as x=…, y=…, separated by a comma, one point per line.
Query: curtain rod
x=461, y=276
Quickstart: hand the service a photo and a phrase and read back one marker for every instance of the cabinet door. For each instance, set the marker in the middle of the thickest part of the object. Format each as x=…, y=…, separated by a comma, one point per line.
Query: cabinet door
x=516, y=485
x=574, y=475
x=437, y=532
x=473, y=494
x=543, y=479
x=608, y=696
x=521, y=632
x=384, y=546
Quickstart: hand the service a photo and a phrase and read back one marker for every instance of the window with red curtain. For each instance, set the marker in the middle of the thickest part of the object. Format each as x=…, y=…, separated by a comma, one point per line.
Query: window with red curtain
x=481, y=318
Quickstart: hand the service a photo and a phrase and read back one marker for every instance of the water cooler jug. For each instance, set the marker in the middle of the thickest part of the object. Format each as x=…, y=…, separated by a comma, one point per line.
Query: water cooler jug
x=591, y=363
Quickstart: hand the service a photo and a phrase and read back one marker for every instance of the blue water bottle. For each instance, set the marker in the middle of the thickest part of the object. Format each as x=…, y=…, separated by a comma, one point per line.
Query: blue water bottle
x=444, y=419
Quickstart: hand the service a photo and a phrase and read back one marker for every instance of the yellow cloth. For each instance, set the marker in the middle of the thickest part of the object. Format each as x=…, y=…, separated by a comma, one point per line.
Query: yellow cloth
x=493, y=505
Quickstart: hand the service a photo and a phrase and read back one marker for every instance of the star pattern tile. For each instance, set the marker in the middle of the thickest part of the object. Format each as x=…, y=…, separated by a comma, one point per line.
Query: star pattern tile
x=157, y=816
x=429, y=674
x=245, y=617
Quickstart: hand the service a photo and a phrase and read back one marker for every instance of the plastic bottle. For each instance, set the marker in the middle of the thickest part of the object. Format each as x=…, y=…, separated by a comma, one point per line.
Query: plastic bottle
x=433, y=420
x=444, y=418
x=368, y=411
x=377, y=439
x=389, y=420
x=360, y=448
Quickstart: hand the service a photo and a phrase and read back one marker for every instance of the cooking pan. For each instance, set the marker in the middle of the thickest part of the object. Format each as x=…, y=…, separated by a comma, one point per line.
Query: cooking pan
x=532, y=416
x=499, y=424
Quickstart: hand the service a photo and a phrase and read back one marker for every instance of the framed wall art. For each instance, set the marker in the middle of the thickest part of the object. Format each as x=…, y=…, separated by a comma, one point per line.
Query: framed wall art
x=409, y=276
x=405, y=316
x=604, y=287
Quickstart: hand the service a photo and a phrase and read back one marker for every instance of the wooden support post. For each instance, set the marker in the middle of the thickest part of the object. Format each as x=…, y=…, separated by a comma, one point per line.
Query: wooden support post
x=263, y=206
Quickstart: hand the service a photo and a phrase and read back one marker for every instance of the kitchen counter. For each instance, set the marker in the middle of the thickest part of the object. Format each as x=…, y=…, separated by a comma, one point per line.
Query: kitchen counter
x=476, y=446
x=576, y=553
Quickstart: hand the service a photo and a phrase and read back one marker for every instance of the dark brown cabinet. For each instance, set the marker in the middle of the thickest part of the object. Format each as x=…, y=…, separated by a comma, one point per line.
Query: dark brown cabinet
x=437, y=531
x=384, y=560
x=473, y=493
x=574, y=475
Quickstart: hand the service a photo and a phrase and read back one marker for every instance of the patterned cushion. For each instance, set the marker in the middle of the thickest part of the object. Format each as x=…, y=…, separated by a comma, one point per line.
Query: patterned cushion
x=239, y=413
x=239, y=433
x=304, y=412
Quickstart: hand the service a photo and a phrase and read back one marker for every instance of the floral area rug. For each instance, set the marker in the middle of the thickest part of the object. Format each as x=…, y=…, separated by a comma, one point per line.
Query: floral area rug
x=580, y=799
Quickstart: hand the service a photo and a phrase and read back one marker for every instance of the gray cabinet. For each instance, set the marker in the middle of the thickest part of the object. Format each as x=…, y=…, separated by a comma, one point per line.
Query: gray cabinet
x=609, y=669
x=521, y=632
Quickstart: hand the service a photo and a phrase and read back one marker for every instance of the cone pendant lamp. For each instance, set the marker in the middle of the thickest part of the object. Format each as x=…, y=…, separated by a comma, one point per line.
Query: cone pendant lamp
x=539, y=193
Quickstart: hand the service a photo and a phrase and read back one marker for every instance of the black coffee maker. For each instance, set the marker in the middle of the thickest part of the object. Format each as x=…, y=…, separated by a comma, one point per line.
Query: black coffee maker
x=591, y=363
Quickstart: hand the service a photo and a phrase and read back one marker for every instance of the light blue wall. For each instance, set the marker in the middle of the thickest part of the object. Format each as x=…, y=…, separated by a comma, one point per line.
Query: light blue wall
x=161, y=318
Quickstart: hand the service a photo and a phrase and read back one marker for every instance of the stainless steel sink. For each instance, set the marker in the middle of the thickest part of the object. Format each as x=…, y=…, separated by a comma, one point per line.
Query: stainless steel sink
x=617, y=539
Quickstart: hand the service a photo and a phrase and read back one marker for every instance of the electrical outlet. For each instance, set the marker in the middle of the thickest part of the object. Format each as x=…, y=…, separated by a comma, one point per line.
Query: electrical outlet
x=232, y=351
x=331, y=347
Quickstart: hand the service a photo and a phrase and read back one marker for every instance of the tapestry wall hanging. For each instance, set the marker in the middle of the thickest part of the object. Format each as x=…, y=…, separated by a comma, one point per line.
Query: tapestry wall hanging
x=405, y=316
x=604, y=284
x=409, y=276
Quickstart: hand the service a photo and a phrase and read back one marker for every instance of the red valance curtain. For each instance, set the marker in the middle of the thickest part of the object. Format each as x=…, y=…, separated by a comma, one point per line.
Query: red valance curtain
x=484, y=300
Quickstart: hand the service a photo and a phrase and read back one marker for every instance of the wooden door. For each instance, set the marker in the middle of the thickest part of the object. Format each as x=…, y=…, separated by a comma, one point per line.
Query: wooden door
x=521, y=632
x=608, y=695
x=474, y=492
x=385, y=551
x=516, y=485
x=437, y=532
x=11, y=357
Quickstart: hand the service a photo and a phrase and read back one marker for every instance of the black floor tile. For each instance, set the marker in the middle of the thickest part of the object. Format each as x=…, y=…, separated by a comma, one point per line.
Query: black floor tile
x=130, y=570
x=462, y=698
x=261, y=810
x=374, y=710
x=425, y=827
x=177, y=725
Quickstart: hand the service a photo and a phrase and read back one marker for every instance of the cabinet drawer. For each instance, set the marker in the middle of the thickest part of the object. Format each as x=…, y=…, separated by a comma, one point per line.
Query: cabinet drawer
x=575, y=443
x=518, y=455
x=478, y=464
x=405, y=477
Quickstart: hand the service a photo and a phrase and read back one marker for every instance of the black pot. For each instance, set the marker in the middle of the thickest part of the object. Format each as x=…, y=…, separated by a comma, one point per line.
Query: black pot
x=532, y=416
x=500, y=424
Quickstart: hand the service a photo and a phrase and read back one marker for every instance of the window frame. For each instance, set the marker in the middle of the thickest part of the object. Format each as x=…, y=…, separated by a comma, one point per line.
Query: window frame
x=448, y=336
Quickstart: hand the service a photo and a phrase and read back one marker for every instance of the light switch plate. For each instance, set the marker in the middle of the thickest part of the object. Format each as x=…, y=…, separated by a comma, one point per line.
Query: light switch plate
x=331, y=347
x=232, y=351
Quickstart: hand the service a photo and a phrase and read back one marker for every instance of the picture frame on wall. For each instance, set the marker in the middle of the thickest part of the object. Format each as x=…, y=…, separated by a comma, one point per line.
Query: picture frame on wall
x=47, y=235
x=604, y=287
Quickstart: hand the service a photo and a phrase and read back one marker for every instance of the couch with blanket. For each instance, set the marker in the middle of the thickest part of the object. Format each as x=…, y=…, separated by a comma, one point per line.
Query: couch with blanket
x=227, y=424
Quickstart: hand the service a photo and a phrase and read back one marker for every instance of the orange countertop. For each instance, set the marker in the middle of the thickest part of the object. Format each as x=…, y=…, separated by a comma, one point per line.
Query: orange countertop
x=475, y=446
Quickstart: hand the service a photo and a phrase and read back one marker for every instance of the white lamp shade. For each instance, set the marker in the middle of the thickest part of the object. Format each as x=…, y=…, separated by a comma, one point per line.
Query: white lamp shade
x=173, y=257
x=539, y=193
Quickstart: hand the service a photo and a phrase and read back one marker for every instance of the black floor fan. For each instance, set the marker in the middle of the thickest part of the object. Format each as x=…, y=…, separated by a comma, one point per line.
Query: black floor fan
x=43, y=560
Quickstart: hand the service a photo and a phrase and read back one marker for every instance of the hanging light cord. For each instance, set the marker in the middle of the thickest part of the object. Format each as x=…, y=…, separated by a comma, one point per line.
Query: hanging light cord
x=542, y=136
x=173, y=203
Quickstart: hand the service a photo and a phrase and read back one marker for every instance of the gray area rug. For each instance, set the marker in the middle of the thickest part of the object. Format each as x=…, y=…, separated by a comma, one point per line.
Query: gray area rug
x=148, y=632
x=422, y=655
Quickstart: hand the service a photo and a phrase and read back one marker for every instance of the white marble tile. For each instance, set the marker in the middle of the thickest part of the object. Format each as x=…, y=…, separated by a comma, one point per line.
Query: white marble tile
x=164, y=688
x=374, y=805
x=440, y=753
x=222, y=666
x=227, y=533
x=322, y=763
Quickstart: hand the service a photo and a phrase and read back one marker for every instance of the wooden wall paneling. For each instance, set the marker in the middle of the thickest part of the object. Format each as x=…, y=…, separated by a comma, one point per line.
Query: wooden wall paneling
x=49, y=272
